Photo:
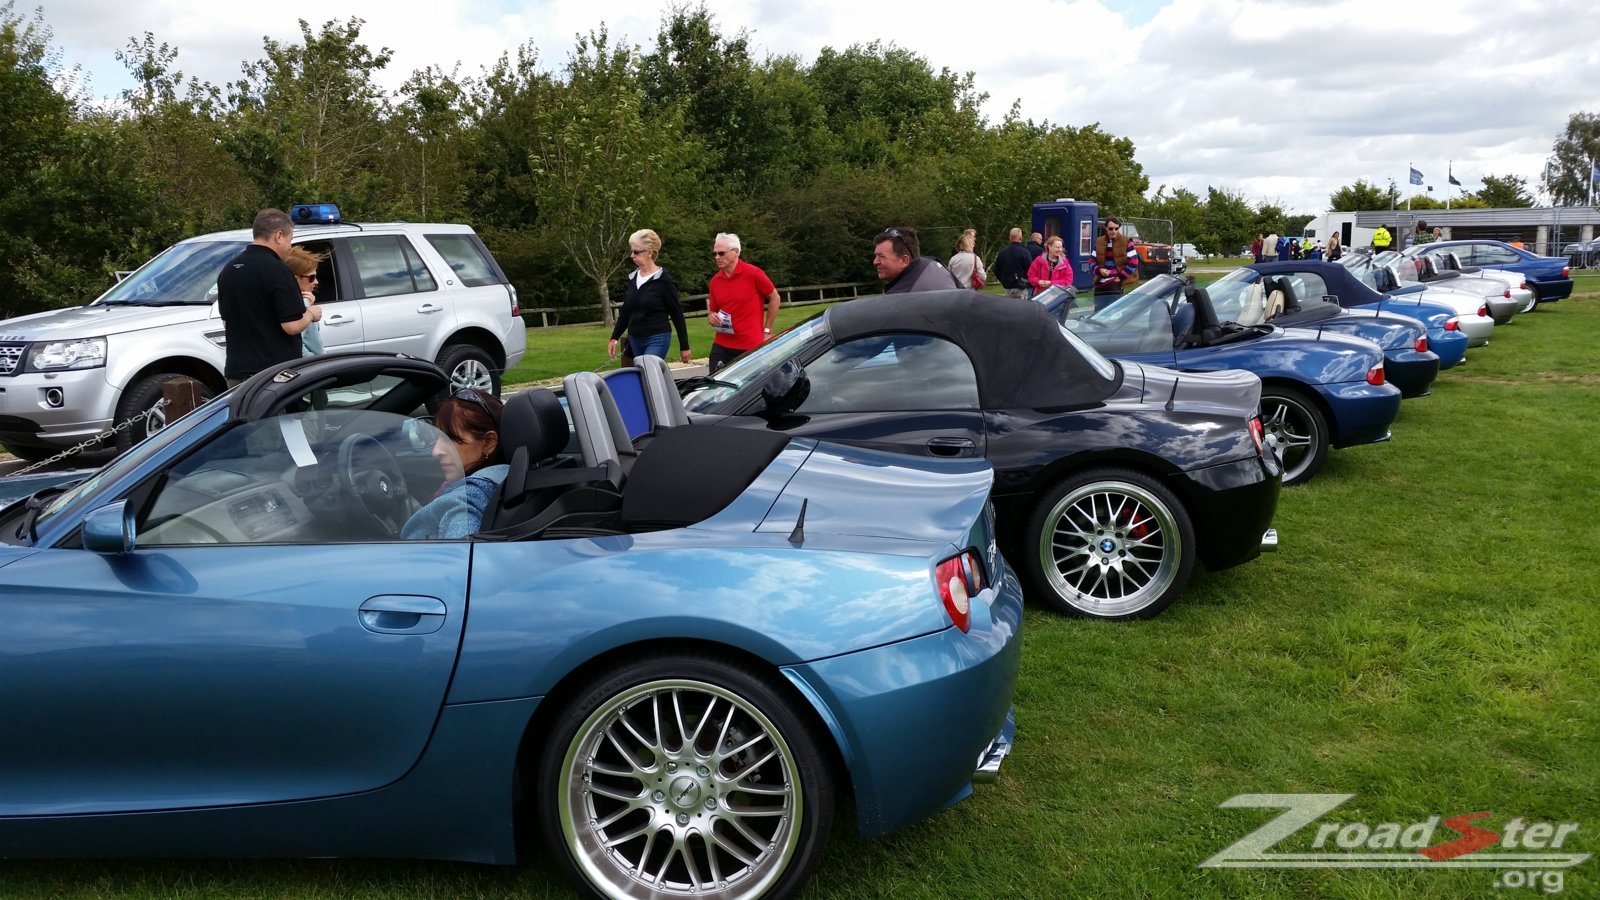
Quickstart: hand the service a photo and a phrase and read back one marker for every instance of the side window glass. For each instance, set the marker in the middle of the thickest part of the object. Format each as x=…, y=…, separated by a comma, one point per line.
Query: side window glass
x=420, y=276
x=381, y=266
x=461, y=252
x=1490, y=255
x=327, y=270
x=891, y=372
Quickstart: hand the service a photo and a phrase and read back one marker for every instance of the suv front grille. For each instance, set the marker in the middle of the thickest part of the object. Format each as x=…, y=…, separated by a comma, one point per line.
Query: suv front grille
x=11, y=358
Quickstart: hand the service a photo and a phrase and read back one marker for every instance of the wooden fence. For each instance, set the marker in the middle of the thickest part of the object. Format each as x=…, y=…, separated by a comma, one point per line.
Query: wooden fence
x=799, y=295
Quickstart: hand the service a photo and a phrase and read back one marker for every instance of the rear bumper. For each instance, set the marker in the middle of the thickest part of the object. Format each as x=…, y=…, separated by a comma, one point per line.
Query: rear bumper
x=1477, y=329
x=1232, y=506
x=1556, y=289
x=914, y=719
x=1410, y=371
x=1362, y=413
x=1501, y=309
x=1449, y=346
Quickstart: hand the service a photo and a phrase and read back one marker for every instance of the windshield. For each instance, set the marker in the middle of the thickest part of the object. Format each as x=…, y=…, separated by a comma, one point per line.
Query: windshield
x=185, y=274
x=1238, y=297
x=1102, y=366
x=1138, y=322
x=752, y=366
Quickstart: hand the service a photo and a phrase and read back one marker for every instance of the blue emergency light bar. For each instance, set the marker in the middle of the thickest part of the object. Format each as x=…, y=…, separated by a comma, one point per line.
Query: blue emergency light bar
x=314, y=214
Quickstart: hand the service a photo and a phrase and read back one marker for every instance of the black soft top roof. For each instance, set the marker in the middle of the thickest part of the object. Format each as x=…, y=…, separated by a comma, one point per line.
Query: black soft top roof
x=1017, y=350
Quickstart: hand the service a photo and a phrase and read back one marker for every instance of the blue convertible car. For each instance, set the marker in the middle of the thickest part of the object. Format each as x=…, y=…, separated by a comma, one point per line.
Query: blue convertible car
x=1317, y=390
x=673, y=660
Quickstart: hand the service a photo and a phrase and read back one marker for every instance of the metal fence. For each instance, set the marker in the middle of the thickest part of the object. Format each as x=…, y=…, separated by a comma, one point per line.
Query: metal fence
x=798, y=295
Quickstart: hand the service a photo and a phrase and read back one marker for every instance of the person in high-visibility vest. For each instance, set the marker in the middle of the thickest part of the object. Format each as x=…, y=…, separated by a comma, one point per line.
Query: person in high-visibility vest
x=1381, y=239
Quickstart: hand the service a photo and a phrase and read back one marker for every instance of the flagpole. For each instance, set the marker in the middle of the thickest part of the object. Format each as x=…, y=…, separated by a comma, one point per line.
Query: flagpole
x=1449, y=176
x=1410, y=167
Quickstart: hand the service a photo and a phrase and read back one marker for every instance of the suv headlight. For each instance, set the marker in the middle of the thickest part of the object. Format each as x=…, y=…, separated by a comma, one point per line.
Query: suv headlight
x=85, y=353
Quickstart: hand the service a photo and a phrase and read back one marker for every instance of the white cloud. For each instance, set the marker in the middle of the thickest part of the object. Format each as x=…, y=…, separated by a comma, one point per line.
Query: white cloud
x=1281, y=101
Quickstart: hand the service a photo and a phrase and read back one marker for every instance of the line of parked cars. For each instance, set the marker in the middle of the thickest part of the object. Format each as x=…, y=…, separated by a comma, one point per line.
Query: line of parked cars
x=696, y=616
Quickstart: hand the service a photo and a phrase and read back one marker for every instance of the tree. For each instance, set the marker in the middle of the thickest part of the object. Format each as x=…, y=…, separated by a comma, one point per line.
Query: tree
x=428, y=132
x=602, y=167
x=310, y=122
x=1362, y=195
x=1571, y=165
x=1505, y=192
x=1229, y=221
x=1184, y=209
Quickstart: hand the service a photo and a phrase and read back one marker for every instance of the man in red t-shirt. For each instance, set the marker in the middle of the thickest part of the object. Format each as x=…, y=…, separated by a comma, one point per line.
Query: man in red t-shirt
x=737, y=316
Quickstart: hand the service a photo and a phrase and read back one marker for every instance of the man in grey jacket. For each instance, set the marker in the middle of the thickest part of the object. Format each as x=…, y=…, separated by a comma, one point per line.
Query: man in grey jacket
x=902, y=268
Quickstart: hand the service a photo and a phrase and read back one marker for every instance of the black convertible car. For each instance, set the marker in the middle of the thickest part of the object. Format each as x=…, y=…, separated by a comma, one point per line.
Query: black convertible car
x=1112, y=478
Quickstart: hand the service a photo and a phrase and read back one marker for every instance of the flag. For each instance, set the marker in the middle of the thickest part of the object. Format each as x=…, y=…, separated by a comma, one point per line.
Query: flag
x=1430, y=188
x=1453, y=179
x=1416, y=177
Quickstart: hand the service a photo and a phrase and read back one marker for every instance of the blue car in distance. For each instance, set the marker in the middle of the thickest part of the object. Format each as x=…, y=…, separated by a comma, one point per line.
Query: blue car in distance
x=1247, y=297
x=1317, y=390
x=673, y=660
x=1348, y=286
x=1550, y=277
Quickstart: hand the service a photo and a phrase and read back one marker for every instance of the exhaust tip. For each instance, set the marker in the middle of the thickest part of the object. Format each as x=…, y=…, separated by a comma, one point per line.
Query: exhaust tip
x=1269, y=541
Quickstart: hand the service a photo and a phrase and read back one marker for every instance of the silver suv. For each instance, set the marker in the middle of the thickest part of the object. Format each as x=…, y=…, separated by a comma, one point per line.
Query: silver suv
x=431, y=291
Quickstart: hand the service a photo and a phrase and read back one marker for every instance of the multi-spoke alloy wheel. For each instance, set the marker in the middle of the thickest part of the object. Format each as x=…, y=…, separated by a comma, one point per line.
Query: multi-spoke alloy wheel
x=1298, y=428
x=687, y=786
x=1111, y=544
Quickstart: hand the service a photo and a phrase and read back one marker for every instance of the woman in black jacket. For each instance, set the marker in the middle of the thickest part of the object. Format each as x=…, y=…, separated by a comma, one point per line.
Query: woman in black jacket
x=650, y=307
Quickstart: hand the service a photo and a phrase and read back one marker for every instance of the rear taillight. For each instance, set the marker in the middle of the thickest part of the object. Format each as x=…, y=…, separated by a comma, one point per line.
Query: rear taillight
x=515, y=312
x=1422, y=344
x=1524, y=286
x=959, y=578
x=1508, y=293
x=1484, y=310
x=1566, y=271
x=1375, y=375
x=1453, y=325
x=1258, y=435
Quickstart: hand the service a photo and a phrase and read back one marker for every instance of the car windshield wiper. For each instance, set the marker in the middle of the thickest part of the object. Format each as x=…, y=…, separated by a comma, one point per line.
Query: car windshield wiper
x=690, y=385
x=33, y=505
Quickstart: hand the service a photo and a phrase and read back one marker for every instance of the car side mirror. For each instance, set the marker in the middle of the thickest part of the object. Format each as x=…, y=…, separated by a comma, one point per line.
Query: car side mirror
x=785, y=389
x=109, y=529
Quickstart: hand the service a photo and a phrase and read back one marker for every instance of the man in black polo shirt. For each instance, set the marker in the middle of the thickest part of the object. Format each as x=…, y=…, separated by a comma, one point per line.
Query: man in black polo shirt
x=262, y=310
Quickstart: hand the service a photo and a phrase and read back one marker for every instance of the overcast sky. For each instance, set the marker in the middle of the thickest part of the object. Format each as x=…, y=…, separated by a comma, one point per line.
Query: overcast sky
x=1280, y=101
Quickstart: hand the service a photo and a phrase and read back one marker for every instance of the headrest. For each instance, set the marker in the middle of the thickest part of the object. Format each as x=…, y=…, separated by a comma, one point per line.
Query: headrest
x=602, y=434
x=661, y=392
x=534, y=421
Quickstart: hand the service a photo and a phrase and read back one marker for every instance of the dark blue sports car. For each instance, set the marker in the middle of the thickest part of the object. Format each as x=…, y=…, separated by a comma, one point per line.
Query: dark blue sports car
x=1249, y=297
x=674, y=661
x=1347, y=285
x=1112, y=478
x=1317, y=390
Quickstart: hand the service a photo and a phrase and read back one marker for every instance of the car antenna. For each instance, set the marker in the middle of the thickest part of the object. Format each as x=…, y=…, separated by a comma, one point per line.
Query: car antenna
x=798, y=535
x=1172, y=398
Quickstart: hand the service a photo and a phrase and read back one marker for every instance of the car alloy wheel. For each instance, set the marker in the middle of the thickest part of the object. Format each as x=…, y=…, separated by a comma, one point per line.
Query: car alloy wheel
x=1299, y=431
x=1533, y=303
x=1112, y=544
x=686, y=778
x=469, y=367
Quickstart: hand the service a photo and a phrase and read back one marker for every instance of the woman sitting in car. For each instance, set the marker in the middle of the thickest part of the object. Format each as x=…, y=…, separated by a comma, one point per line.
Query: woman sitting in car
x=468, y=451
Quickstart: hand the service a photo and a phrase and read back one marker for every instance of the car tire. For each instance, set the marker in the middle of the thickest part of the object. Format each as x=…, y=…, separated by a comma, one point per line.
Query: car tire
x=29, y=453
x=1109, y=544
x=470, y=367
x=140, y=397
x=1533, y=301
x=644, y=748
x=1300, y=429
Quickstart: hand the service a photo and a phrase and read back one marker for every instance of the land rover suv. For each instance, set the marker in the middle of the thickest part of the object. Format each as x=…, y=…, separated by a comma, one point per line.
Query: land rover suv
x=431, y=291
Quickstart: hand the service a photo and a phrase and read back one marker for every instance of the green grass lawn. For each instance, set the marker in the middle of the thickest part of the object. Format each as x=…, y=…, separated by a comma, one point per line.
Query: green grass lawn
x=1427, y=638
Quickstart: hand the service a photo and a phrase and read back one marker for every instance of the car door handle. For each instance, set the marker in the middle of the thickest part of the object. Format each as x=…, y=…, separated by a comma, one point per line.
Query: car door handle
x=427, y=308
x=402, y=614
x=337, y=319
x=949, y=446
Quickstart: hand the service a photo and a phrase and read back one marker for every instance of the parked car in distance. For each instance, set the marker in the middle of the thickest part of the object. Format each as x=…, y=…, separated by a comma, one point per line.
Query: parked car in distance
x=676, y=693
x=1318, y=390
x=1549, y=277
x=1514, y=284
x=433, y=291
x=1384, y=276
x=1247, y=296
x=1113, y=479
x=1336, y=283
x=1444, y=270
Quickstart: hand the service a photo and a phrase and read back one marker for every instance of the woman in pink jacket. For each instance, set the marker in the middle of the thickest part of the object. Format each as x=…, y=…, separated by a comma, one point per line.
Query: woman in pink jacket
x=1050, y=268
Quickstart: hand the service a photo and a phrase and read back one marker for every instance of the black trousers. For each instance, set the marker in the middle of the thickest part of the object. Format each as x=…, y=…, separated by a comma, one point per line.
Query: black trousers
x=721, y=356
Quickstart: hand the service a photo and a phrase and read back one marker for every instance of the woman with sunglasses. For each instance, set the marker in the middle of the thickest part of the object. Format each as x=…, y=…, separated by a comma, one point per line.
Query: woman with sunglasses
x=303, y=265
x=468, y=451
x=651, y=304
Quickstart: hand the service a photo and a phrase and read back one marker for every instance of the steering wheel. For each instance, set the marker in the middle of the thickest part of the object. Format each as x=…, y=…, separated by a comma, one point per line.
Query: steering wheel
x=369, y=472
